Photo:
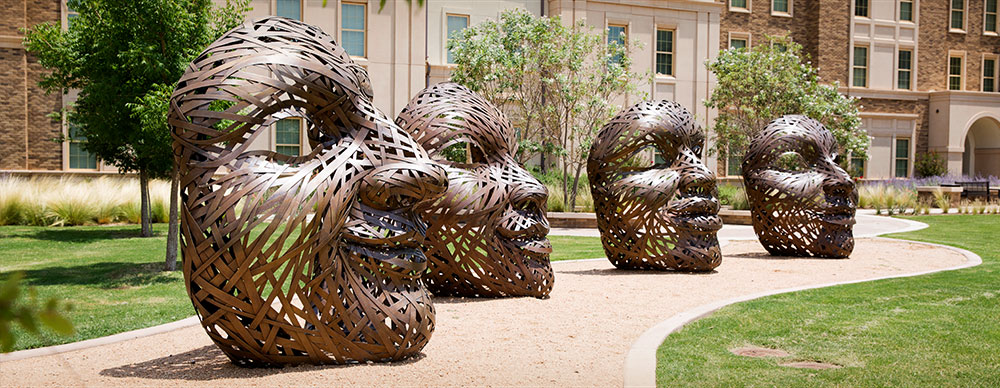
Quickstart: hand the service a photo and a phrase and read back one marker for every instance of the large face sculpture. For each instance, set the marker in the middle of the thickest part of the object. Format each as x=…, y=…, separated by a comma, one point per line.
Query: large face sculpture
x=802, y=202
x=299, y=259
x=487, y=234
x=660, y=215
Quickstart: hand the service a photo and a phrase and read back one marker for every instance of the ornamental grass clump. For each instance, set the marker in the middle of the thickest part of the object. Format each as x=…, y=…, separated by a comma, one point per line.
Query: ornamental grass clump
x=76, y=201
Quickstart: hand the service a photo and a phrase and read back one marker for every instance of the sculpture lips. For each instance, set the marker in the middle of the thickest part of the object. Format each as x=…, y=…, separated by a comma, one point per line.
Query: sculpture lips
x=538, y=246
x=708, y=223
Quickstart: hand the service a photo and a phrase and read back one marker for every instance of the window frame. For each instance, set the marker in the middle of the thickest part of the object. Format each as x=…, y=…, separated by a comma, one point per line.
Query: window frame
x=866, y=66
x=447, y=36
x=733, y=8
x=69, y=151
x=996, y=73
x=913, y=11
x=909, y=70
x=364, y=30
x=672, y=54
x=996, y=18
x=787, y=13
x=867, y=8
x=275, y=143
x=746, y=36
x=734, y=169
x=962, y=72
x=896, y=158
x=965, y=16
x=624, y=42
x=302, y=10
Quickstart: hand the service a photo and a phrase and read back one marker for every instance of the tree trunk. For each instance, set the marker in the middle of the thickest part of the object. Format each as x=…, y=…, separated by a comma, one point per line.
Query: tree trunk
x=565, y=185
x=146, y=215
x=171, y=262
x=576, y=186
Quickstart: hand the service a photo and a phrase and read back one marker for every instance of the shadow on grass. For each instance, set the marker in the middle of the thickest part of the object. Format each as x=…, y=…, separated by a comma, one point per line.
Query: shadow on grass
x=209, y=363
x=104, y=274
x=80, y=235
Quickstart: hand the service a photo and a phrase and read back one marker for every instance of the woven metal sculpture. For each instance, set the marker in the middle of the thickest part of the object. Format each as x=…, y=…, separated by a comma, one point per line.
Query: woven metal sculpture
x=487, y=235
x=802, y=202
x=299, y=259
x=661, y=215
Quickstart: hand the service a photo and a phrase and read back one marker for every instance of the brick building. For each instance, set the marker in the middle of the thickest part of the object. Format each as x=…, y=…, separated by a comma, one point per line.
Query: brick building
x=926, y=71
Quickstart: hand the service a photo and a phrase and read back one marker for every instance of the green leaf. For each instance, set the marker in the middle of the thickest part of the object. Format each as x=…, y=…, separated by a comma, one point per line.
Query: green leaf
x=56, y=322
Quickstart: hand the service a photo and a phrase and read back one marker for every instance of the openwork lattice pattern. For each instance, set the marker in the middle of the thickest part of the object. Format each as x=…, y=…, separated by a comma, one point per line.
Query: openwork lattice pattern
x=299, y=259
x=660, y=215
x=487, y=234
x=802, y=202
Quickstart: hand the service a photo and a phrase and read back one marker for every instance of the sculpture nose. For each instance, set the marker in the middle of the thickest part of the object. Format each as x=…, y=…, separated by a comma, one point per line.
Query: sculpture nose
x=526, y=216
x=695, y=178
x=404, y=184
x=838, y=186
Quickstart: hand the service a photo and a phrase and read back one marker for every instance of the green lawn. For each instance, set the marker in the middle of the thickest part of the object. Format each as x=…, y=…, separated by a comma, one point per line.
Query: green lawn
x=115, y=280
x=938, y=330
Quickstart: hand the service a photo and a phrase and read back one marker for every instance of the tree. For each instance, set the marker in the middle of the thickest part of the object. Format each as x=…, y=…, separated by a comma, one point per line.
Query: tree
x=762, y=83
x=558, y=83
x=122, y=55
x=27, y=314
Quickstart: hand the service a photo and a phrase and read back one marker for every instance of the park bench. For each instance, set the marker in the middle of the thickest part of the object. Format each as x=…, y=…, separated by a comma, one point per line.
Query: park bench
x=975, y=189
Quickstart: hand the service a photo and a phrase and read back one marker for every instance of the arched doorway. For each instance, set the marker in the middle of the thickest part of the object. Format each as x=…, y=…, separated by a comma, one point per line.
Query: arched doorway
x=982, y=148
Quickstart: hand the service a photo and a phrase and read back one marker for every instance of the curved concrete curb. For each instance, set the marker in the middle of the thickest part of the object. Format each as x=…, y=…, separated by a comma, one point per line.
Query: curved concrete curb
x=640, y=361
x=49, y=350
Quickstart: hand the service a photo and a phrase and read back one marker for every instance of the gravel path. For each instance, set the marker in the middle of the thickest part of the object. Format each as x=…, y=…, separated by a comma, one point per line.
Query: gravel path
x=578, y=337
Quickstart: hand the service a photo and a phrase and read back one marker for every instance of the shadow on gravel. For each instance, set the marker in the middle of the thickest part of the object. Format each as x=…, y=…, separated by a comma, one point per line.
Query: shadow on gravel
x=209, y=363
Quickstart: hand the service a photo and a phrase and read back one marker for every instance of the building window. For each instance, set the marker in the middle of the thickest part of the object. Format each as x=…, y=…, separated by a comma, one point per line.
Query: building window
x=617, y=34
x=857, y=167
x=70, y=15
x=287, y=137
x=860, y=66
x=665, y=52
x=902, y=158
x=352, y=28
x=990, y=19
x=955, y=73
x=734, y=165
x=79, y=158
x=990, y=74
x=738, y=43
x=779, y=46
x=780, y=6
x=957, y=15
x=456, y=23
x=906, y=10
x=739, y=4
x=904, y=69
x=861, y=8
x=291, y=9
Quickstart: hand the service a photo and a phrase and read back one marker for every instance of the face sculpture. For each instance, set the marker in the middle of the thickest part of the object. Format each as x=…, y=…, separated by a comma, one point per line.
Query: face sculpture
x=487, y=234
x=309, y=259
x=802, y=202
x=660, y=216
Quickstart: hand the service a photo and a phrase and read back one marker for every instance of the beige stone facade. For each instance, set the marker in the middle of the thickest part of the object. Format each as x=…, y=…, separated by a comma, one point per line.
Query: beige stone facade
x=403, y=47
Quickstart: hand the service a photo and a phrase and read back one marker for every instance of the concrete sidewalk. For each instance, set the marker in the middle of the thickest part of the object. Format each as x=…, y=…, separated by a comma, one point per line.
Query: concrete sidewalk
x=868, y=226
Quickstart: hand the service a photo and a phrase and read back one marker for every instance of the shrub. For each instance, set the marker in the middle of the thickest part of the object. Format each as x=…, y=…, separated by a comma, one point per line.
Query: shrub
x=734, y=196
x=74, y=201
x=942, y=200
x=930, y=164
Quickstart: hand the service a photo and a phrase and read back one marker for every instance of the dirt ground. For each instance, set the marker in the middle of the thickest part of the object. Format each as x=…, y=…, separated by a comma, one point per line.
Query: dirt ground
x=578, y=337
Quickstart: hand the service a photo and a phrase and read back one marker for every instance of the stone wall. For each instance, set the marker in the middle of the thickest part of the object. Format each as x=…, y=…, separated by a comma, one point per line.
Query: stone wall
x=918, y=107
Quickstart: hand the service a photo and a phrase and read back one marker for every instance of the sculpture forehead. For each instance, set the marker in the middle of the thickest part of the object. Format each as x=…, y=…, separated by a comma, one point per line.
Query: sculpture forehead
x=449, y=110
x=639, y=125
x=794, y=130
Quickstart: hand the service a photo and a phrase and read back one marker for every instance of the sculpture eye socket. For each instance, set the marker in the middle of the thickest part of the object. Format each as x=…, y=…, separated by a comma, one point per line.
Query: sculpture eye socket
x=791, y=162
x=462, y=153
